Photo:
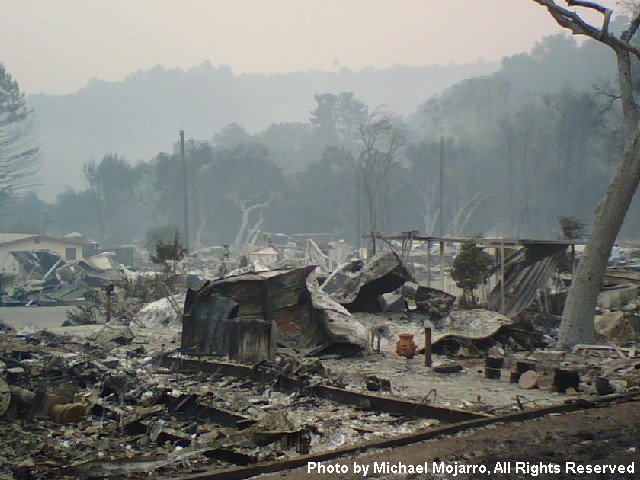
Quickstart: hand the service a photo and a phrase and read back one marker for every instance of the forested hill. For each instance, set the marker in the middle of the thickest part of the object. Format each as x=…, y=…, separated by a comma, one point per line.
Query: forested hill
x=525, y=145
x=140, y=116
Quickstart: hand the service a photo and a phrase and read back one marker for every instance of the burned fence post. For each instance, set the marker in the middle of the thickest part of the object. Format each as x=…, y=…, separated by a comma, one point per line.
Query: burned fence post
x=429, y=263
x=108, y=289
x=427, y=347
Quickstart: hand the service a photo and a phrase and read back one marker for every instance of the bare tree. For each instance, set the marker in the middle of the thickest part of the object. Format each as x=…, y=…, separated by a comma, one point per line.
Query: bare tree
x=577, y=319
x=246, y=232
x=381, y=141
x=462, y=211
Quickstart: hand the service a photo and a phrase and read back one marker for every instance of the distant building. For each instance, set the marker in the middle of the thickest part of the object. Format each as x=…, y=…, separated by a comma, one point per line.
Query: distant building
x=67, y=248
x=267, y=256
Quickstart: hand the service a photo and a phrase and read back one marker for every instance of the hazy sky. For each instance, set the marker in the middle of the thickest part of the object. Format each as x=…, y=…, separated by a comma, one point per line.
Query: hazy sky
x=56, y=46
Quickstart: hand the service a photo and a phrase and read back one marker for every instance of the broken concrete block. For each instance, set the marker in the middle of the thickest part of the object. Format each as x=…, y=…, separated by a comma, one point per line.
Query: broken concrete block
x=528, y=380
x=392, y=302
x=614, y=327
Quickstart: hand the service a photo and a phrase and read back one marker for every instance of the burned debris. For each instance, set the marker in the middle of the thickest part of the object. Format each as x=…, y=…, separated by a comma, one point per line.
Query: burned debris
x=303, y=317
x=171, y=372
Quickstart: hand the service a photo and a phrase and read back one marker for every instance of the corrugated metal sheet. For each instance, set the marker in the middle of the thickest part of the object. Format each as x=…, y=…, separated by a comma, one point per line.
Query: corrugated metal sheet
x=526, y=272
x=203, y=323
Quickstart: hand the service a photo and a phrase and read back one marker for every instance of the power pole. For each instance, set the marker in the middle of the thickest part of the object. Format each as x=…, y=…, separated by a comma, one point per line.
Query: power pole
x=357, y=202
x=186, y=197
x=442, y=186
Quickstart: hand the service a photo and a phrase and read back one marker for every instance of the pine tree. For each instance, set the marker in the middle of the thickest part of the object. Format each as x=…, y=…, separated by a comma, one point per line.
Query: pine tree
x=18, y=151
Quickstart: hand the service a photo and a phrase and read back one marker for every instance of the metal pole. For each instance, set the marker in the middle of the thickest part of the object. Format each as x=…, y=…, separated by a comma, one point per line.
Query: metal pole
x=427, y=347
x=502, y=302
x=429, y=264
x=186, y=198
x=358, y=232
x=441, y=186
x=442, y=263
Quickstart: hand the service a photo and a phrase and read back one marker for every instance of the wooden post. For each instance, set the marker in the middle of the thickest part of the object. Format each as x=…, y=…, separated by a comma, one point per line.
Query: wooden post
x=442, y=263
x=427, y=347
x=502, y=299
x=429, y=263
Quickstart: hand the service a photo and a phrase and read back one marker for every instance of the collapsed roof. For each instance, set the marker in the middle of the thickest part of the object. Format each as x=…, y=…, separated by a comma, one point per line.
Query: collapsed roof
x=307, y=319
x=357, y=285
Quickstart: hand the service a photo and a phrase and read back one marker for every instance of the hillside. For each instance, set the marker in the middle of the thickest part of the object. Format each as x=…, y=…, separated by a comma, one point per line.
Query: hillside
x=141, y=115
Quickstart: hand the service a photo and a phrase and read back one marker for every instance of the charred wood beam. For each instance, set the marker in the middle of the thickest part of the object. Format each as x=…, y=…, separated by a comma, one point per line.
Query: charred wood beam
x=394, y=406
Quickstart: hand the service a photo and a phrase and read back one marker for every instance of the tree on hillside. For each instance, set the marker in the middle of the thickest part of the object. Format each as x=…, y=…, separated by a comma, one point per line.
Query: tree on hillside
x=111, y=183
x=577, y=324
x=338, y=117
x=18, y=152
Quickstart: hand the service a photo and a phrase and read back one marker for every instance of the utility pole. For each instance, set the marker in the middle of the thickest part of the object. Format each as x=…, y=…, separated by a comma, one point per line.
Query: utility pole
x=357, y=202
x=186, y=197
x=442, y=186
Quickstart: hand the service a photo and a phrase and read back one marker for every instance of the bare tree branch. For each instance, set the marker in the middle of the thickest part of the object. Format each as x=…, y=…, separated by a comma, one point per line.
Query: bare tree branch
x=595, y=6
x=572, y=21
x=621, y=46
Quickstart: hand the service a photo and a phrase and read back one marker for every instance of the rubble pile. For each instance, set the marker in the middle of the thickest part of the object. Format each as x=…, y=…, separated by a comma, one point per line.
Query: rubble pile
x=50, y=280
x=260, y=364
x=125, y=303
x=166, y=312
x=101, y=406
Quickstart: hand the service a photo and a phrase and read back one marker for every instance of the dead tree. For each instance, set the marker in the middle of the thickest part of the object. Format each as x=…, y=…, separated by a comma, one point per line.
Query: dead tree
x=381, y=142
x=247, y=233
x=462, y=211
x=577, y=319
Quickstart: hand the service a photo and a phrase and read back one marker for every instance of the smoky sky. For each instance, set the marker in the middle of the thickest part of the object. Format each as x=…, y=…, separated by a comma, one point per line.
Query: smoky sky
x=56, y=46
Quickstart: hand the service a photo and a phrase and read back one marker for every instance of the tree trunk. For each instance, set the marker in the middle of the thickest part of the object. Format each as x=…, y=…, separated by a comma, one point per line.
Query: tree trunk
x=577, y=318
